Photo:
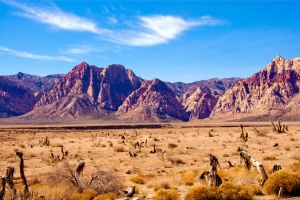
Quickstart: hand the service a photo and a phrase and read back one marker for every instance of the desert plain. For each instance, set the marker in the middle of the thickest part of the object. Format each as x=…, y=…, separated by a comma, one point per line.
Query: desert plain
x=182, y=151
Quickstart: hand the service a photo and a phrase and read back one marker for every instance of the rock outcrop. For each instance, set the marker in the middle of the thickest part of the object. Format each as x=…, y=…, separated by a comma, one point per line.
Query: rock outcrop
x=265, y=95
x=200, y=97
x=15, y=99
x=200, y=103
x=88, y=91
x=153, y=101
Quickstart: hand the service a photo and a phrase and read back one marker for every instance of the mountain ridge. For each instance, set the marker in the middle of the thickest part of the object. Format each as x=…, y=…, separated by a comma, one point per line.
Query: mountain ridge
x=88, y=91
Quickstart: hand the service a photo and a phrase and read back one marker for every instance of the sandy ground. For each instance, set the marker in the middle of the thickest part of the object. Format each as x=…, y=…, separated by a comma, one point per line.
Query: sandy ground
x=185, y=148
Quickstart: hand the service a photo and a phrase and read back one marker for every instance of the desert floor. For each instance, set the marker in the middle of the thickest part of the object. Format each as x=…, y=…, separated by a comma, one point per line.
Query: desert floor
x=184, y=153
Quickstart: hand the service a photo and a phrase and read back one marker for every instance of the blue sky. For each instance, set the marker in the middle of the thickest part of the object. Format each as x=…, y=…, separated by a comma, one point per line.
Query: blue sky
x=170, y=40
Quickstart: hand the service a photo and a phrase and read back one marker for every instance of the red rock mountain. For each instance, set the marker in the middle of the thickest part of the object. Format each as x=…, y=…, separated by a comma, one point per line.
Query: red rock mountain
x=153, y=101
x=15, y=99
x=271, y=93
x=87, y=91
x=200, y=97
x=200, y=103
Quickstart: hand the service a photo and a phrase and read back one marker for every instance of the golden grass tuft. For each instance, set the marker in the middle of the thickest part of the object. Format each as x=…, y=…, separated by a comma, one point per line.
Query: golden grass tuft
x=269, y=157
x=288, y=180
x=166, y=194
x=119, y=148
x=137, y=179
x=188, y=178
x=201, y=192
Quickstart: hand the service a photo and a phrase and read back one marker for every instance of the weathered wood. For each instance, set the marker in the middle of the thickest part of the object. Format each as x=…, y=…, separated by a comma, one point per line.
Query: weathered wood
x=9, y=179
x=22, y=174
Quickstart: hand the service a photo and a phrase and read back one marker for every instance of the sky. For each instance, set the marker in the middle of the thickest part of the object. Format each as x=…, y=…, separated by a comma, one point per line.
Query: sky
x=174, y=41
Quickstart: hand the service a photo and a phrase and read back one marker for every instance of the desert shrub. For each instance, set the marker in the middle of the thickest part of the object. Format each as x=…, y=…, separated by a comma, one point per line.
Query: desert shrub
x=287, y=148
x=102, y=197
x=288, y=180
x=269, y=157
x=166, y=194
x=137, y=179
x=161, y=185
x=87, y=194
x=254, y=189
x=201, y=192
x=188, y=178
x=172, y=145
x=233, y=191
x=119, y=148
x=109, y=183
x=175, y=160
x=296, y=166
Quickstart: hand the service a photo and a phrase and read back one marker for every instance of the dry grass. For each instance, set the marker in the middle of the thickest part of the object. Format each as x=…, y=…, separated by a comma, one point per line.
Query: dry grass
x=178, y=168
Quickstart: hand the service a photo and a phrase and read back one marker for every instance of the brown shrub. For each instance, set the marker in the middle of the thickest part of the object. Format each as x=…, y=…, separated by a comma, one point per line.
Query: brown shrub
x=201, y=192
x=87, y=194
x=176, y=160
x=106, y=183
x=119, y=148
x=166, y=194
x=137, y=179
x=288, y=180
x=188, y=178
x=269, y=157
x=233, y=191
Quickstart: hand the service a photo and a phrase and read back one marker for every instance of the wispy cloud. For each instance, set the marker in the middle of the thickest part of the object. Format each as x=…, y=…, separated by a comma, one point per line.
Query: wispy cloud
x=82, y=49
x=53, y=16
x=112, y=20
x=159, y=29
x=25, y=54
x=146, y=30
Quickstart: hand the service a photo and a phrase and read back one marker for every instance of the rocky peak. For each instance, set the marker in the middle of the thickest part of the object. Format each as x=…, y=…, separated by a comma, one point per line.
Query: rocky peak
x=104, y=88
x=268, y=90
x=153, y=101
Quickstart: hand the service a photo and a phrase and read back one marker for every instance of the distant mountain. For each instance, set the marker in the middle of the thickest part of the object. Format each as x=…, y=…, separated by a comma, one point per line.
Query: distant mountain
x=271, y=93
x=200, y=97
x=87, y=91
x=38, y=85
x=153, y=101
x=15, y=99
x=117, y=93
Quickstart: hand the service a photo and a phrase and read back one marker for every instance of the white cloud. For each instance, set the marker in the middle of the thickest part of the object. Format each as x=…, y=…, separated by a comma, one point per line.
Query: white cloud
x=55, y=17
x=159, y=29
x=112, y=20
x=81, y=50
x=35, y=56
x=146, y=31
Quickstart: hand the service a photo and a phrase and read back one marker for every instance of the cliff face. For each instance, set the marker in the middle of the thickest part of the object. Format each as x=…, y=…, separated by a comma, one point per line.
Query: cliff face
x=200, y=103
x=88, y=91
x=153, y=101
x=200, y=97
x=15, y=99
x=266, y=93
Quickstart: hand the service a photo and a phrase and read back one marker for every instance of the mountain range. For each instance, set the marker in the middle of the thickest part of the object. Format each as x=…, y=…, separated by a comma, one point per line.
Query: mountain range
x=115, y=92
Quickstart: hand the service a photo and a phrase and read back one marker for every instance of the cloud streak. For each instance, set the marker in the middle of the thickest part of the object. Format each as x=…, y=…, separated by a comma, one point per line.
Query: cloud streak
x=147, y=30
x=24, y=54
x=56, y=18
x=159, y=29
x=81, y=50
